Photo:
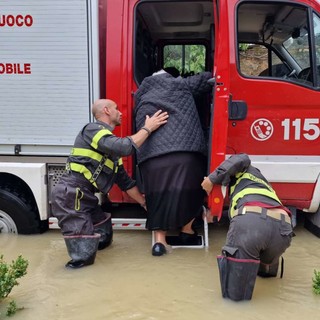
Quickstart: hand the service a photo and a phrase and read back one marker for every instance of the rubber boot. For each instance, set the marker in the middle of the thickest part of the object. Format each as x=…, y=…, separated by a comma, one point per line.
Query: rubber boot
x=268, y=270
x=104, y=228
x=82, y=249
x=237, y=277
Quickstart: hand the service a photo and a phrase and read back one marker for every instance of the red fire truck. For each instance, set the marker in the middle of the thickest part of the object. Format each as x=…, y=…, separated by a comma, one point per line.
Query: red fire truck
x=58, y=56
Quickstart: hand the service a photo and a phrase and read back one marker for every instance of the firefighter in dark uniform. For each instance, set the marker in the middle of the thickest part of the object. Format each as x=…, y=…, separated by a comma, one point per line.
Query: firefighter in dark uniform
x=93, y=166
x=260, y=228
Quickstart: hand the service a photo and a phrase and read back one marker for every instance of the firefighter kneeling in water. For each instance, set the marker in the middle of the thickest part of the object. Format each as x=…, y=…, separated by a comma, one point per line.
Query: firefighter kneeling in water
x=260, y=228
x=94, y=165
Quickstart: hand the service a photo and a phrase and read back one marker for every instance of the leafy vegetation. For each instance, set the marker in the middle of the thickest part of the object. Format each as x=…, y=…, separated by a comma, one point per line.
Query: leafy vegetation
x=9, y=273
x=186, y=58
x=316, y=282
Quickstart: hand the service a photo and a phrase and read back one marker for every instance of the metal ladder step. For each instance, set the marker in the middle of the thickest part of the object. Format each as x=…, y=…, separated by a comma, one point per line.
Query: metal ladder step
x=203, y=243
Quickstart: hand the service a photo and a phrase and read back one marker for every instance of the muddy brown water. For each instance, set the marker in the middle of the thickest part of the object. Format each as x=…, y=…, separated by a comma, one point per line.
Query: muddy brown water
x=127, y=282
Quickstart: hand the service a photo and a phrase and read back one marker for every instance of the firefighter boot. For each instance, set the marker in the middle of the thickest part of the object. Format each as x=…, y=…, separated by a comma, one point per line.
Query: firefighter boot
x=269, y=270
x=104, y=228
x=237, y=277
x=82, y=249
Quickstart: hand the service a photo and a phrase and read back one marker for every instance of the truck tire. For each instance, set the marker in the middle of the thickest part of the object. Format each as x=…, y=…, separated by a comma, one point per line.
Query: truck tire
x=16, y=214
x=312, y=222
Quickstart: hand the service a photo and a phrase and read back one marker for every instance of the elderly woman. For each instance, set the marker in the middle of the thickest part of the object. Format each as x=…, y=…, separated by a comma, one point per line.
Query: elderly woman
x=173, y=160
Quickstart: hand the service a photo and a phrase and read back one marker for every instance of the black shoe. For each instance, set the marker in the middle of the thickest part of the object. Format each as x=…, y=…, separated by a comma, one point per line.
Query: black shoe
x=197, y=223
x=159, y=249
x=188, y=238
x=80, y=263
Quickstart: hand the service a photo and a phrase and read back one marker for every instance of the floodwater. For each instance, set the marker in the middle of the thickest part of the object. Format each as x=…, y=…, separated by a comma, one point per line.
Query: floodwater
x=127, y=282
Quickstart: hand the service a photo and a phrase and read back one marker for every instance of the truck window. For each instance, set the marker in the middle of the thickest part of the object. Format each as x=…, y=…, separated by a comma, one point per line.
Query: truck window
x=258, y=60
x=172, y=33
x=276, y=42
x=316, y=24
x=188, y=59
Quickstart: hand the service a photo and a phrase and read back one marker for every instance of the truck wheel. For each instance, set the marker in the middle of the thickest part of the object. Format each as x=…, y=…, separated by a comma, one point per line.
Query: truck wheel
x=16, y=214
x=7, y=225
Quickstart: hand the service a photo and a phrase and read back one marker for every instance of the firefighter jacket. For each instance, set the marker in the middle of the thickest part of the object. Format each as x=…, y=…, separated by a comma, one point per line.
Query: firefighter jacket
x=246, y=183
x=96, y=155
x=183, y=131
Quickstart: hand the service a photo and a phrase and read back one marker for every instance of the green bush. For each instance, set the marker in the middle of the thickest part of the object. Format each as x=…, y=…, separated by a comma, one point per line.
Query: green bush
x=8, y=279
x=316, y=282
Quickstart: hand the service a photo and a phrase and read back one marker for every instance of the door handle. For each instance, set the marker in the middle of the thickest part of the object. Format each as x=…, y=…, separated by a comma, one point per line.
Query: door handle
x=237, y=110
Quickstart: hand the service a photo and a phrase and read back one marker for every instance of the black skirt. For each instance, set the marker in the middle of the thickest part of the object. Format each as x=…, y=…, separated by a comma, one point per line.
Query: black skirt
x=172, y=185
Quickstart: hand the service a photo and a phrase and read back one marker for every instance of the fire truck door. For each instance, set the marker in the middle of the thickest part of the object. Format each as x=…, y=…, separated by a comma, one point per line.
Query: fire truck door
x=220, y=103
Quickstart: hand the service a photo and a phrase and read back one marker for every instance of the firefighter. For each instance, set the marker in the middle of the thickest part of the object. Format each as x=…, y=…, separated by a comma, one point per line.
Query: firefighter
x=260, y=228
x=93, y=166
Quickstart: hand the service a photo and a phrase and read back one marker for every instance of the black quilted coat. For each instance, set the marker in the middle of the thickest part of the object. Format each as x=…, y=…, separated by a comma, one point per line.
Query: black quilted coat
x=183, y=130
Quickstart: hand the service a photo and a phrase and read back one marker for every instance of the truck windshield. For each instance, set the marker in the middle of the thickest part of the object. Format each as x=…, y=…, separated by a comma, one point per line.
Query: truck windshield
x=298, y=48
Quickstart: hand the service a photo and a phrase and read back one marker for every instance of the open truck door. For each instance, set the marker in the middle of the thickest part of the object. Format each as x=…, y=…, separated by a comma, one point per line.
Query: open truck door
x=266, y=95
x=221, y=101
x=275, y=70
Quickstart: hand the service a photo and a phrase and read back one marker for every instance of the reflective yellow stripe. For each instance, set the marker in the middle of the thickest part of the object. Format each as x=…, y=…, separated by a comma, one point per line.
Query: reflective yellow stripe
x=80, y=168
x=269, y=192
x=238, y=175
x=83, y=170
x=79, y=196
x=251, y=177
x=98, y=136
x=110, y=164
x=247, y=191
x=95, y=156
x=86, y=153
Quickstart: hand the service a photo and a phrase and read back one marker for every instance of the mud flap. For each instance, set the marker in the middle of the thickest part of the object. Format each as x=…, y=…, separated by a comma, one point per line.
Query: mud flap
x=237, y=276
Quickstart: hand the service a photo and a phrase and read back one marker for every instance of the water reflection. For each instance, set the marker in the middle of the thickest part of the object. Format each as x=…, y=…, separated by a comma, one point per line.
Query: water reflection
x=126, y=282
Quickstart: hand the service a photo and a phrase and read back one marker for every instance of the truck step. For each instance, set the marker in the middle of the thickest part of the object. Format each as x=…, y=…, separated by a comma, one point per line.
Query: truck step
x=117, y=223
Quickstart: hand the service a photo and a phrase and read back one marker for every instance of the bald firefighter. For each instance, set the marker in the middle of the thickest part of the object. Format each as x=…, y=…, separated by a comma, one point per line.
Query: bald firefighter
x=260, y=227
x=93, y=166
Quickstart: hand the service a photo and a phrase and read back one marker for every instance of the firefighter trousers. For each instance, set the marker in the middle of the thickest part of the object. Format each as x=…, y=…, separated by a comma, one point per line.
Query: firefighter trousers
x=259, y=237
x=254, y=244
x=75, y=205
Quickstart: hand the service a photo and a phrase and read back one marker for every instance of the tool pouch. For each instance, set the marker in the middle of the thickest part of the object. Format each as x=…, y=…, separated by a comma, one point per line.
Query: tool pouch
x=237, y=276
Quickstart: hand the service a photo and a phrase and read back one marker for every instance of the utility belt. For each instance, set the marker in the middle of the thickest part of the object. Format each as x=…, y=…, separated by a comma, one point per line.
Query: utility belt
x=276, y=213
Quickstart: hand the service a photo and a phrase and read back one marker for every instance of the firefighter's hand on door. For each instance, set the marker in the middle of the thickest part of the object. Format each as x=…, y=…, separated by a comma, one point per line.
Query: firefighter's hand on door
x=207, y=185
